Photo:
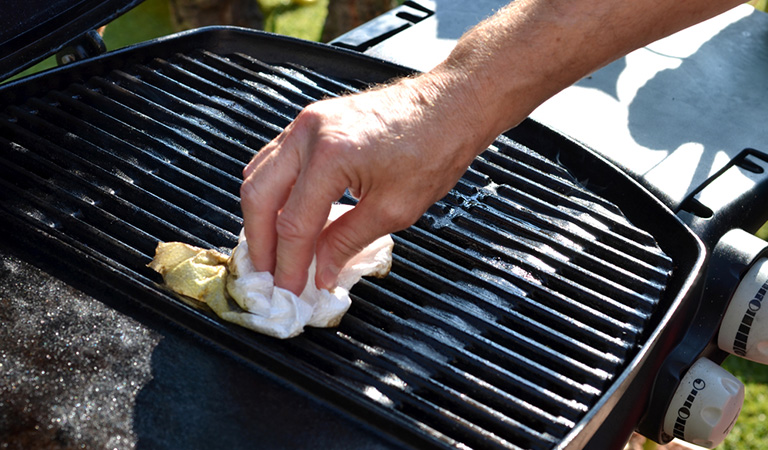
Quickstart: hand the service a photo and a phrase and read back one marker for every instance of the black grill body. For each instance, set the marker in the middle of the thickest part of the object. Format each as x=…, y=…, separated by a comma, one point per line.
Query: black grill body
x=31, y=30
x=523, y=310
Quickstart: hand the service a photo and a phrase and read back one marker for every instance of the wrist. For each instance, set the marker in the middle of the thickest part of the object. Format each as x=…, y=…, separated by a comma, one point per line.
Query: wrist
x=452, y=103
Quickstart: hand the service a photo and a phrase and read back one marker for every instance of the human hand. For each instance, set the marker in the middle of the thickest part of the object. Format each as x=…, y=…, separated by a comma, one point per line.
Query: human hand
x=398, y=149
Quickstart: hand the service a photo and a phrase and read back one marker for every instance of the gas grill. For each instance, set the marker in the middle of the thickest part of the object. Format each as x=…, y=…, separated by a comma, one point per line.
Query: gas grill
x=532, y=307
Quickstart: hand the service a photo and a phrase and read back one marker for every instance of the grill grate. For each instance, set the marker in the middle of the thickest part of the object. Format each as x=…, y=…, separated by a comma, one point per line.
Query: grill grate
x=511, y=306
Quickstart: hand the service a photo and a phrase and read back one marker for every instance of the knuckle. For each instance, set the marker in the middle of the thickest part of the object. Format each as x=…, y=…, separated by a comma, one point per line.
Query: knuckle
x=249, y=168
x=311, y=115
x=290, y=228
x=397, y=215
x=248, y=191
x=344, y=244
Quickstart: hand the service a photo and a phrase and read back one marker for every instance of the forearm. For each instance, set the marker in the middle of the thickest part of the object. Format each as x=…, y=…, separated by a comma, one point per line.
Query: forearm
x=508, y=65
x=401, y=147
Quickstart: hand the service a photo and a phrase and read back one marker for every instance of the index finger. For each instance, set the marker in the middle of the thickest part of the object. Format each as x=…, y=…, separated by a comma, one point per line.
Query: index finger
x=265, y=151
x=304, y=216
x=267, y=184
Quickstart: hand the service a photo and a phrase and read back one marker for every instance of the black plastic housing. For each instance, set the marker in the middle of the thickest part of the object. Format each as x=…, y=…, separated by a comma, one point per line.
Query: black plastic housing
x=31, y=30
x=725, y=212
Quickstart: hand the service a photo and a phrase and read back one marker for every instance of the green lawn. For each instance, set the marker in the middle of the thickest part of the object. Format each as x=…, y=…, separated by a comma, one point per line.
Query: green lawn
x=151, y=19
x=283, y=17
x=751, y=430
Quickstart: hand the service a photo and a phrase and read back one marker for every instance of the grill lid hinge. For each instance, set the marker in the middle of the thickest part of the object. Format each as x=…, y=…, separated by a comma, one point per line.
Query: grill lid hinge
x=86, y=46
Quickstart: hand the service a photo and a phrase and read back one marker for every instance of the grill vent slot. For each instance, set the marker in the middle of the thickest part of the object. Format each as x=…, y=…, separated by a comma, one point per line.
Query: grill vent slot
x=512, y=304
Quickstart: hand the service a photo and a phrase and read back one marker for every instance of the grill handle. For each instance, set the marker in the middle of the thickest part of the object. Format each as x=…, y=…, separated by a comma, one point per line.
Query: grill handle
x=725, y=212
x=734, y=197
x=383, y=27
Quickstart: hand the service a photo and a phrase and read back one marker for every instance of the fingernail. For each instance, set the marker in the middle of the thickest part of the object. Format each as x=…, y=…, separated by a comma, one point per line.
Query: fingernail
x=328, y=277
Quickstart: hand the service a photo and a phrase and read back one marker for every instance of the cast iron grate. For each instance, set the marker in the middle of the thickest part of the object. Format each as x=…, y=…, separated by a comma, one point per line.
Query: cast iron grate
x=511, y=306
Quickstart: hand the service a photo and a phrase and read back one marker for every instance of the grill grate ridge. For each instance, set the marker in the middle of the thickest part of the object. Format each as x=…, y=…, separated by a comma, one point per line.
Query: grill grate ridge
x=484, y=321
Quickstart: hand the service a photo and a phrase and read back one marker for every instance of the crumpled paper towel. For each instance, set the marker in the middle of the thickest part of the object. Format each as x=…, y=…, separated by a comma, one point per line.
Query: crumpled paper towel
x=237, y=293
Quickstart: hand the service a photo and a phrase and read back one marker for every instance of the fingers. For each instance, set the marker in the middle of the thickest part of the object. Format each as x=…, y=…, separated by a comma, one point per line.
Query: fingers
x=286, y=196
x=268, y=179
x=267, y=150
x=290, y=185
x=303, y=218
x=353, y=231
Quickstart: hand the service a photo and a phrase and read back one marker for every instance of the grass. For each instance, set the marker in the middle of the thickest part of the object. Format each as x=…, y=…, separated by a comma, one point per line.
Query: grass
x=762, y=5
x=751, y=429
x=292, y=19
x=151, y=19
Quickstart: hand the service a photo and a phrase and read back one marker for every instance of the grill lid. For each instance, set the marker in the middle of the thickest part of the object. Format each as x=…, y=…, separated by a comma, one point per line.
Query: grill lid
x=31, y=30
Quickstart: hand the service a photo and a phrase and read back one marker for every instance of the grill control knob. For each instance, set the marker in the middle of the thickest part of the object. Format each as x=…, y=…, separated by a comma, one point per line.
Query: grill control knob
x=744, y=330
x=705, y=405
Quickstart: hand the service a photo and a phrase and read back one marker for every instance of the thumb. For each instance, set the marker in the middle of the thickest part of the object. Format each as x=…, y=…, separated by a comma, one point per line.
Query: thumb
x=350, y=234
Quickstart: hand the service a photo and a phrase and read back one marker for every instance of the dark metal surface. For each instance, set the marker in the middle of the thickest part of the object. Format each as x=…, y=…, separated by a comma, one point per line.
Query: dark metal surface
x=514, y=306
